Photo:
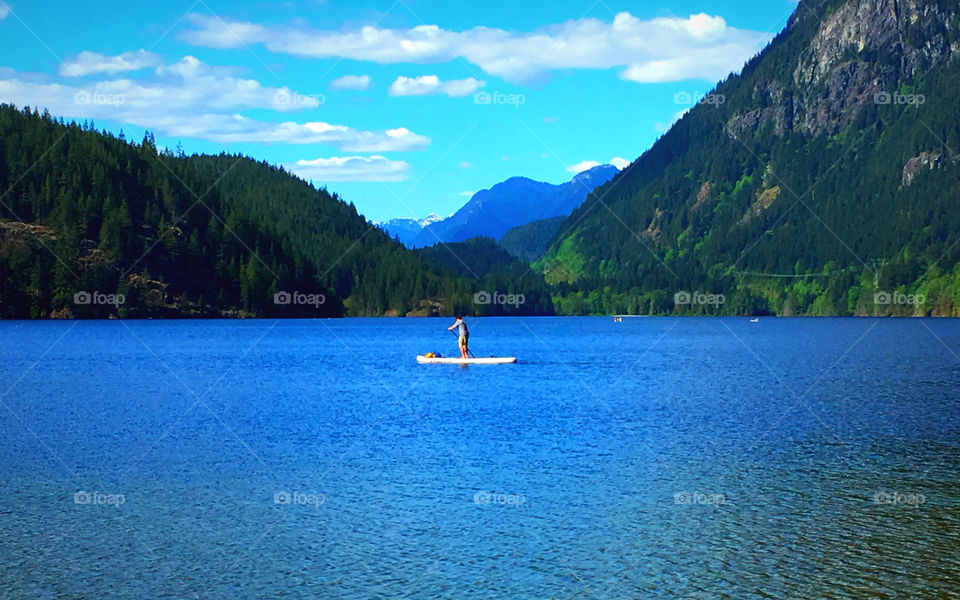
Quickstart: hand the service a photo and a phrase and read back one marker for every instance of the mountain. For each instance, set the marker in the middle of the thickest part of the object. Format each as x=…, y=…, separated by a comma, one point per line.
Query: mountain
x=516, y=201
x=405, y=230
x=94, y=226
x=824, y=179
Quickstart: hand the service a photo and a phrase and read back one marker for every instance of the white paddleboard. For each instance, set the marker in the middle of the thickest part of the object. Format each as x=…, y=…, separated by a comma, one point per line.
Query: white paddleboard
x=491, y=360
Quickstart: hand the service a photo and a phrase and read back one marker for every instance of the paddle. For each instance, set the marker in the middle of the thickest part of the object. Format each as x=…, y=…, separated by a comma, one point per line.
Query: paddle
x=469, y=351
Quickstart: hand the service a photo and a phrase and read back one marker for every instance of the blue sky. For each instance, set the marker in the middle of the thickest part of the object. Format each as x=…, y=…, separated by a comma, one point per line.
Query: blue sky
x=404, y=108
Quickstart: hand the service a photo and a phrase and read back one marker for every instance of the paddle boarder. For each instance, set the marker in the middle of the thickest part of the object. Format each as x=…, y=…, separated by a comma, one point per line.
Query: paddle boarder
x=463, y=335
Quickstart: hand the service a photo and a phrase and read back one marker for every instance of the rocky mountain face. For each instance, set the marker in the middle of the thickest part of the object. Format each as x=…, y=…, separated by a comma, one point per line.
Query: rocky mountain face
x=859, y=55
x=833, y=150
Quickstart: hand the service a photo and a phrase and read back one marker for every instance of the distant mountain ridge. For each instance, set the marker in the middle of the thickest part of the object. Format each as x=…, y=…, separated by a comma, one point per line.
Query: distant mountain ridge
x=405, y=229
x=516, y=201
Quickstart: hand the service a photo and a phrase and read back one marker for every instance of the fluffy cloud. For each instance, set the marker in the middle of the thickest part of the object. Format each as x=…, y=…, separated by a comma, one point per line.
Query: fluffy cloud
x=228, y=129
x=586, y=165
x=431, y=84
x=188, y=86
x=648, y=50
x=88, y=63
x=352, y=168
x=192, y=100
x=351, y=82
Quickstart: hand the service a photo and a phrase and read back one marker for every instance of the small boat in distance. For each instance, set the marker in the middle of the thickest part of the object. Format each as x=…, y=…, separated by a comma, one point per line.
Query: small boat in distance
x=755, y=320
x=490, y=360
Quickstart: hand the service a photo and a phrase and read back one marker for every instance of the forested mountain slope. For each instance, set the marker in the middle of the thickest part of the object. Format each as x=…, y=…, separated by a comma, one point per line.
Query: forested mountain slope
x=824, y=179
x=503, y=277
x=92, y=225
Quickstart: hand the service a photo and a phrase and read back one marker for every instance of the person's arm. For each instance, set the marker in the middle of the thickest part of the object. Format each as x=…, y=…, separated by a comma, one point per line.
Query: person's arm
x=457, y=322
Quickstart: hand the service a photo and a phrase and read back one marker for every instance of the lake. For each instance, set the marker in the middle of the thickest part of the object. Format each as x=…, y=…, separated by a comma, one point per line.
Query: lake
x=652, y=458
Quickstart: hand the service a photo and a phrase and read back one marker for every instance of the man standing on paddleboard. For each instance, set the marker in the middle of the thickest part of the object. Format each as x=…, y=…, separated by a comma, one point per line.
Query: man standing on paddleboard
x=463, y=335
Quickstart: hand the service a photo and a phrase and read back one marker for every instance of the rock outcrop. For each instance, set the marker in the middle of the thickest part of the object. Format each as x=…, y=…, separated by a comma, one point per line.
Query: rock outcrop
x=859, y=55
x=924, y=161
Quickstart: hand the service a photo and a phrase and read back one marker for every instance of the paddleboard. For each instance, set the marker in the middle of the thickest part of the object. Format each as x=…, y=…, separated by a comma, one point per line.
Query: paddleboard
x=490, y=360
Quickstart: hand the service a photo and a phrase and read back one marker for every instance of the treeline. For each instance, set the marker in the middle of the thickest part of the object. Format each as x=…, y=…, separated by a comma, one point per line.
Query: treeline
x=96, y=226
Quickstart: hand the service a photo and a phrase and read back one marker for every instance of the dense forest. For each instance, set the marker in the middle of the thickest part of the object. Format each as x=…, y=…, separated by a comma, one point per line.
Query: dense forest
x=96, y=226
x=824, y=179
x=508, y=284
x=529, y=242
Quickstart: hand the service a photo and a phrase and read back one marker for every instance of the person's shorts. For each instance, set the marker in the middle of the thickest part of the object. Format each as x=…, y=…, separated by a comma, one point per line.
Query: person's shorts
x=463, y=339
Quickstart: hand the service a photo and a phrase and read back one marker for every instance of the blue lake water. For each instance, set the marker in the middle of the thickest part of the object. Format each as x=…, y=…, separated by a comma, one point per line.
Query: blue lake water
x=653, y=458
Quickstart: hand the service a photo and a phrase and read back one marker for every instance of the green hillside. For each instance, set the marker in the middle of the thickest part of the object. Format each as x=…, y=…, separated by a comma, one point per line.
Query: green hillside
x=94, y=226
x=505, y=285
x=529, y=242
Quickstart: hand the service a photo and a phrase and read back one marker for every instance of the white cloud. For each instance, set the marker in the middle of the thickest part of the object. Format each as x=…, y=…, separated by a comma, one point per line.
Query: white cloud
x=192, y=100
x=88, y=63
x=431, y=84
x=582, y=166
x=239, y=129
x=352, y=168
x=187, y=68
x=467, y=194
x=648, y=50
x=465, y=165
x=351, y=82
x=4, y=10
x=586, y=165
x=189, y=86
